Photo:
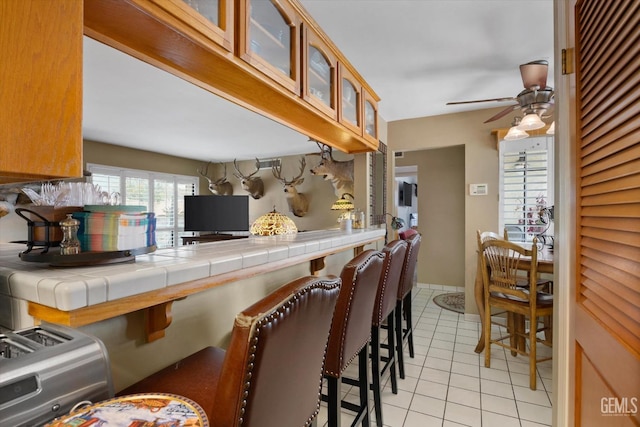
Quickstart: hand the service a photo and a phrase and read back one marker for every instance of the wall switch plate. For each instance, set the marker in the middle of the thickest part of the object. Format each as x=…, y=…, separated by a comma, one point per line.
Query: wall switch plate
x=478, y=189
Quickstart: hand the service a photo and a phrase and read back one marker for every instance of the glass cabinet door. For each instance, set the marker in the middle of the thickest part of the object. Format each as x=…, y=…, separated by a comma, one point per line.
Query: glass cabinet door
x=350, y=92
x=350, y=102
x=207, y=8
x=320, y=79
x=211, y=18
x=320, y=74
x=370, y=117
x=271, y=40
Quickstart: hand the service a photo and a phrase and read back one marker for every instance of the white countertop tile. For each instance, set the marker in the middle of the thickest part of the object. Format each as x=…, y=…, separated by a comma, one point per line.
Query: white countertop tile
x=225, y=263
x=124, y=284
x=75, y=287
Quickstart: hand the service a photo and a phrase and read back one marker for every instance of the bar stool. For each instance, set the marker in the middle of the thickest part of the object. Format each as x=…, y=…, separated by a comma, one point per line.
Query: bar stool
x=384, y=309
x=350, y=334
x=403, y=303
x=271, y=373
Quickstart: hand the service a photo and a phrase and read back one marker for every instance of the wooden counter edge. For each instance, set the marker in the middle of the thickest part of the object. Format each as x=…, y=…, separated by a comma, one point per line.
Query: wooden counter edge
x=157, y=303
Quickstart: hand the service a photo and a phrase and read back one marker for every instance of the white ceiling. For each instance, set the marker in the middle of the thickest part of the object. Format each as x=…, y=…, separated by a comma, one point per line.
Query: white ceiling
x=416, y=54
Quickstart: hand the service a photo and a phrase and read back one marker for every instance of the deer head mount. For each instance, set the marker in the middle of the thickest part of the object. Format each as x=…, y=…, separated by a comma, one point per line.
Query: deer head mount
x=220, y=186
x=298, y=202
x=250, y=183
x=340, y=173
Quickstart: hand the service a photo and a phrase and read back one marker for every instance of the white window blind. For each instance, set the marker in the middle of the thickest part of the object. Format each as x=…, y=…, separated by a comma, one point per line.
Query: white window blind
x=526, y=187
x=160, y=193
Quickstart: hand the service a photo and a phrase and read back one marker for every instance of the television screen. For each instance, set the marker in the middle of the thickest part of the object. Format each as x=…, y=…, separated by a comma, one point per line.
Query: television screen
x=216, y=213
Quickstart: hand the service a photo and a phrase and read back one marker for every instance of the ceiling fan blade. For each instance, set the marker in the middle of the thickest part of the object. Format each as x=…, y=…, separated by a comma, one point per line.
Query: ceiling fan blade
x=482, y=100
x=503, y=113
x=534, y=74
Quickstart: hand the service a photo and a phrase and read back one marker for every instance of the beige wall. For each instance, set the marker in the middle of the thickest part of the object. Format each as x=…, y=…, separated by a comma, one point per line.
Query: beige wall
x=319, y=192
x=481, y=166
x=441, y=216
x=206, y=319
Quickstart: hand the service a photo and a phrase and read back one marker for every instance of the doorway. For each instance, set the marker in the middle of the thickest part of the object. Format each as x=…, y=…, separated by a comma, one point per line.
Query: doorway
x=439, y=193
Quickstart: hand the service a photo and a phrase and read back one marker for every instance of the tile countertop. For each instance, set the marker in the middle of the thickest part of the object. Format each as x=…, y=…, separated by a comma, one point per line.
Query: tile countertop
x=73, y=288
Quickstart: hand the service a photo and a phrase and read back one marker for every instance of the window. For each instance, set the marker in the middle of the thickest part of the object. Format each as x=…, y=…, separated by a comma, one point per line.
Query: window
x=526, y=187
x=160, y=193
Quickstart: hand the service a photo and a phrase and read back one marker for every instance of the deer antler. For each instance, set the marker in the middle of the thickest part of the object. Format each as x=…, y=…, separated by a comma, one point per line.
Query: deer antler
x=241, y=175
x=205, y=173
x=277, y=172
x=276, y=169
x=224, y=177
x=303, y=164
x=325, y=149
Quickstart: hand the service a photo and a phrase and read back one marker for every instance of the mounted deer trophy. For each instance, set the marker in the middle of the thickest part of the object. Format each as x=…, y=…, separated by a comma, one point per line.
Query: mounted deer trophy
x=219, y=187
x=298, y=202
x=252, y=184
x=340, y=173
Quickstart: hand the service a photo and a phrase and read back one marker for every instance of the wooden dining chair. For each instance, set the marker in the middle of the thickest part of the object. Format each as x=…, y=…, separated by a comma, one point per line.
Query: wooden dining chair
x=271, y=373
x=501, y=275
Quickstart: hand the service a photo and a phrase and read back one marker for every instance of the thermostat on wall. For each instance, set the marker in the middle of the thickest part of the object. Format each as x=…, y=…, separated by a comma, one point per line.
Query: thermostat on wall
x=478, y=189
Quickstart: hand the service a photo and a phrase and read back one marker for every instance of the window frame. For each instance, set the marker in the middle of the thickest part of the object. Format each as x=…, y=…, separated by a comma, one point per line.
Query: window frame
x=177, y=229
x=527, y=145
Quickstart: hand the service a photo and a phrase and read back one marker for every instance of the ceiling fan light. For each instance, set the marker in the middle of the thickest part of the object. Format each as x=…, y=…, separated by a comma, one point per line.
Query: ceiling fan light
x=515, y=134
x=531, y=122
x=552, y=128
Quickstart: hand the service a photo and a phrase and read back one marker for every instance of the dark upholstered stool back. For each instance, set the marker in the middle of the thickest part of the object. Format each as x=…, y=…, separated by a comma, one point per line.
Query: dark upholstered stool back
x=271, y=376
x=271, y=373
x=403, y=304
x=406, y=283
x=395, y=253
x=351, y=325
x=350, y=335
x=386, y=301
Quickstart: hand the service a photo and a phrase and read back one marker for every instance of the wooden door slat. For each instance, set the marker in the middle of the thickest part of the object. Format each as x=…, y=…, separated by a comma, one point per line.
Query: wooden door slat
x=615, y=270
x=629, y=225
x=611, y=142
x=593, y=278
x=631, y=152
x=622, y=243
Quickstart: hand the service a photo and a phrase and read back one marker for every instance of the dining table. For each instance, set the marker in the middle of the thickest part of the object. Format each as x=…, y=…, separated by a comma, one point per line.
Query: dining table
x=545, y=265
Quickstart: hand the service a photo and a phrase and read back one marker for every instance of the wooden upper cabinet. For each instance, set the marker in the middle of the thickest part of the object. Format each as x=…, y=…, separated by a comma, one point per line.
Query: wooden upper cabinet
x=212, y=19
x=350, y=101
x=319, y=73
x=370, y=116
x=269, y=40
x=40, y=90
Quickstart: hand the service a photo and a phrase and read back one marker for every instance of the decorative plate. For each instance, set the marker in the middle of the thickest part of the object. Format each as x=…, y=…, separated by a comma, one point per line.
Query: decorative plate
x=137, y=410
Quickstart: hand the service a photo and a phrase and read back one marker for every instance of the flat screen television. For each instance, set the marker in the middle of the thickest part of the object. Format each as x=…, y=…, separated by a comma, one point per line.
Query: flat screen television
x=216, y=214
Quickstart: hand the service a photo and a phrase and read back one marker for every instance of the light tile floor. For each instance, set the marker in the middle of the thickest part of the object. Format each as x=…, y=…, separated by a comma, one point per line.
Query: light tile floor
x=447, y=385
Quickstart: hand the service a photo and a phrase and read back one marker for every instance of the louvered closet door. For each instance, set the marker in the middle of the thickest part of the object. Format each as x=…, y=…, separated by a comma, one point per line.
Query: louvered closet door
x=607, y=322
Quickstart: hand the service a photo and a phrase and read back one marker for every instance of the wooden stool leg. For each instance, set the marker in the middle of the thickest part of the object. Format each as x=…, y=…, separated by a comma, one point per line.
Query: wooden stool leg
x=392, y=353
x=375, y=373
x=333, y=401
x=409, y=333
x=399, y=346
x=363, y=368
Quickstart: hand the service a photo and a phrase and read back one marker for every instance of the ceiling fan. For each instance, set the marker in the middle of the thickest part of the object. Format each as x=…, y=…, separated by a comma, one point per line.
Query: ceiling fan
x=536, y=97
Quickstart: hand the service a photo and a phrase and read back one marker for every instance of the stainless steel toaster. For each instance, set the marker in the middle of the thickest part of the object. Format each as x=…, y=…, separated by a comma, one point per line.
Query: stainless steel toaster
x=45, y=370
